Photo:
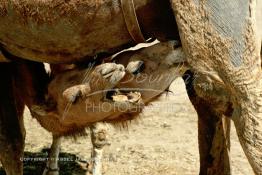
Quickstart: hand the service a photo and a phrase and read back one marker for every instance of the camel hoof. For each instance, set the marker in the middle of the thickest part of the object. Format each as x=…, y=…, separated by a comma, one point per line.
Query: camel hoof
x=49, y=171
x=52, y=173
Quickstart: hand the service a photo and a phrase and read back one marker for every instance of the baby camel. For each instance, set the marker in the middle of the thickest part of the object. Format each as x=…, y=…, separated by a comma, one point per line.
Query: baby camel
x=113, y=92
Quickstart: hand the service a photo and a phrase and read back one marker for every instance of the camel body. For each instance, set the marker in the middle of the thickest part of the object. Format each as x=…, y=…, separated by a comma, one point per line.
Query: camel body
x=64, y=32
x=218, y=37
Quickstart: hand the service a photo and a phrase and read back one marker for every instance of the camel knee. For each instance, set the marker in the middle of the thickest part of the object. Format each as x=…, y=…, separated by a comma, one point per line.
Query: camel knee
x=213, y=126
x=99, y=135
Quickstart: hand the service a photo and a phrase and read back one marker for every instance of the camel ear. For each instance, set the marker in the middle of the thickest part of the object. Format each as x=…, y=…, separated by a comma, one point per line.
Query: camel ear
x=73, y=93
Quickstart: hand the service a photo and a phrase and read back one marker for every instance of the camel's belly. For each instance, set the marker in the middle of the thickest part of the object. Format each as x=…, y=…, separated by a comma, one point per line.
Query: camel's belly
x=59, y=30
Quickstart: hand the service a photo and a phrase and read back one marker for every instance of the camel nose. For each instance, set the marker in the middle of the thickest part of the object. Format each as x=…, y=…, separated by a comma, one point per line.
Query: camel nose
x=135, y=67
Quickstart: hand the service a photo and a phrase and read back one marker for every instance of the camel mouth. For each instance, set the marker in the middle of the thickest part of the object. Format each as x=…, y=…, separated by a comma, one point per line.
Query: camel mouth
x=124, y=96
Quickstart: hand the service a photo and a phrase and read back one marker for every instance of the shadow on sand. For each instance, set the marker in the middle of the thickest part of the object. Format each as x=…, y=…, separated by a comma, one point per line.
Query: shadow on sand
x=34, y=164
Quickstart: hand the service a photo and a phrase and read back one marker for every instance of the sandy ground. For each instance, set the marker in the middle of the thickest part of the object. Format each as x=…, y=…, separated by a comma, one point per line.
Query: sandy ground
x=162, y=142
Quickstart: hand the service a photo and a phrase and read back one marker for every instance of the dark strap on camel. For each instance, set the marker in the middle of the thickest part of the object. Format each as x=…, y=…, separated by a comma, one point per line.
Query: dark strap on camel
x=132, y=24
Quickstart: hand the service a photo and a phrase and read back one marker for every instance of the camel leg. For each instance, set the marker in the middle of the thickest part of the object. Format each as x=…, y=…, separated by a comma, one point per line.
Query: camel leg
x=12, y=132
x=52, y=163
x=217, y=39
x=213, y=134
x=214, y=140
x=31, y=81
x=99, y=140
x=21, y=83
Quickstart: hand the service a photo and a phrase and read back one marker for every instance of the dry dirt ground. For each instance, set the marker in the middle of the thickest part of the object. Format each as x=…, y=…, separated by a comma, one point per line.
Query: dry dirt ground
x=162, y=142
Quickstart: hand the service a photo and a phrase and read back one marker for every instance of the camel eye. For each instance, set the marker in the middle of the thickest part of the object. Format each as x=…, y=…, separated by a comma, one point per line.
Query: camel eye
x=140, y=69
x=135, y=67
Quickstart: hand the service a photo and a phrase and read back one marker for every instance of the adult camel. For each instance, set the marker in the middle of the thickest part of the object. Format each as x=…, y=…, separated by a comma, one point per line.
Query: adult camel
x=218, y=37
